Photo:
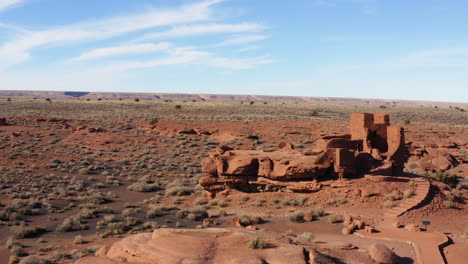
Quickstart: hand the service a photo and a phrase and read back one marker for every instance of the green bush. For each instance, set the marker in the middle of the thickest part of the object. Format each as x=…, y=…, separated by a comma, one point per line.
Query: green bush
x=447, y=178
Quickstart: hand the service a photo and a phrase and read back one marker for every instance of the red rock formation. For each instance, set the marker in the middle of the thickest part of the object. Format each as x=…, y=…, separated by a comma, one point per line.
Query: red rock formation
x=373, y=146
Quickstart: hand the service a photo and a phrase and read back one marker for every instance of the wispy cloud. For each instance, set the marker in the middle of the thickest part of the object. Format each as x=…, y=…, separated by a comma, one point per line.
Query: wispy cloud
x=367, y=7
x=242, y=40
x=249, y=48
x=122, y=50
x=198, y=30
x=189, y=55
x=18, y=50
x=5, y=4
x=437, y=58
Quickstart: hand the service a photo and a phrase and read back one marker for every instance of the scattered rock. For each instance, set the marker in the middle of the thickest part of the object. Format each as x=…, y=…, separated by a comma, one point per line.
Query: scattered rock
x=397, y=224
x=369, y=229
x=319, y=258
x=346, y=231
x=382, y=254
x=413, y=228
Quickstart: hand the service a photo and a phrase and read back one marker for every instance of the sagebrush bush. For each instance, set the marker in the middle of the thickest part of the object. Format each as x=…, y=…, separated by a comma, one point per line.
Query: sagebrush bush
x=257, y=243
x=24, y=231
x=297, y=217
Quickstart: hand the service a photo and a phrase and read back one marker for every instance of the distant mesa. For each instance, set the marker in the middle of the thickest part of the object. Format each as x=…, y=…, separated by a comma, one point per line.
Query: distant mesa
x=76, y=94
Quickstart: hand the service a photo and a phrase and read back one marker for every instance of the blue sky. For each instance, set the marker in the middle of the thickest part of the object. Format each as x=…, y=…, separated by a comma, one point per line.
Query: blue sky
x=395, y=49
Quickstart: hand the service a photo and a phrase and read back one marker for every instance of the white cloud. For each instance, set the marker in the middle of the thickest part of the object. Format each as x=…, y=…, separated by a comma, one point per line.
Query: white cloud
x=18, y=50
x=249, y=48
x=242, y=40
x=197, y=30
x=189, y=55
x=5, y=4
x=122, y=50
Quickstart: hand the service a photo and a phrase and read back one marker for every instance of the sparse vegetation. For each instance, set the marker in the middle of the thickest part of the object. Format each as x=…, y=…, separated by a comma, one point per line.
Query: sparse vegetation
x=257, y=243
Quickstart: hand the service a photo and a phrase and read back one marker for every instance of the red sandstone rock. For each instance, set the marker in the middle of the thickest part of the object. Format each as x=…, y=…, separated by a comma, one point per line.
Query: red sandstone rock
x=360, y=151
x=382, y=254
x=319, y=258
x=212, y=245
x=412, y=227
x=346, y=231
x=369, y=229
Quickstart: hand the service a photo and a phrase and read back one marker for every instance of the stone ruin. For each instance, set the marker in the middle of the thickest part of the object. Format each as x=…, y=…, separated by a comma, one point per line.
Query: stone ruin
x=372, y=147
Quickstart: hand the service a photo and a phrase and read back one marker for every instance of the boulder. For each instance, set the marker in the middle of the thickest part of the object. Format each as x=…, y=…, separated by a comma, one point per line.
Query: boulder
x=413, y=228
x=346, y=231
x=319, y=258
x=382, y=254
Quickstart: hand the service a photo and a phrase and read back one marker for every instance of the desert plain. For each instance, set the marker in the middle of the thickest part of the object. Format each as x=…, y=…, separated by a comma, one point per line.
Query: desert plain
x=117, y=181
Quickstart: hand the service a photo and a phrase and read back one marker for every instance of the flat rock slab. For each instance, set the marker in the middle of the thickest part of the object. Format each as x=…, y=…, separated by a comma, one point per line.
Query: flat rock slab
x=194, y=246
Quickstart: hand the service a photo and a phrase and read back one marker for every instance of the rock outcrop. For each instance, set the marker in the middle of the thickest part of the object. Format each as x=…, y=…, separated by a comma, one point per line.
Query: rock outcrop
x=200, y=246
x=3, y=122
x=372, y=147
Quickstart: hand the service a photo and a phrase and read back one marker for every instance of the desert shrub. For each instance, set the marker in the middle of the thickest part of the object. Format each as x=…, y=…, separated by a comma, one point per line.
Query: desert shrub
x=24, y=231
x=223, y=203
x=201, y=201
x=144, y=187
x=78, y=240
x=300, y=201
x=18, y=251
x=316, y=212
x=178, y=107
x=448, y=204
x=71, y=224
x=178, y=188
x=246, y=220
x=407, y=121
x=244, y=198
x=98, y=198
x=333, y=219
x=306, y=236
x=10, y=242
x=297, y=217
x=157, y=211
x=154, y=121
x=408, y=193
x=192, y=215
x=388, y=204
x=30, y=260
x=389, y=197
x=257, y=243
x=447, y=178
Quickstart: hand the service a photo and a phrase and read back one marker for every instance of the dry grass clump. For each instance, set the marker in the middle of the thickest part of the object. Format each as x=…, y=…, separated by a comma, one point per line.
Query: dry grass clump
x=389, y=204
x=196, y=214
x=24, y=231
x=145, y=184
x=316, y=212
x=78, y=240
x=71, y=224
x=297, y=217
x=257, y=243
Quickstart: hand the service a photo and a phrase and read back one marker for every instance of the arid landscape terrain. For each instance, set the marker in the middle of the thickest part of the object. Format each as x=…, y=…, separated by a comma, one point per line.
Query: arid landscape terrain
x=117, y=181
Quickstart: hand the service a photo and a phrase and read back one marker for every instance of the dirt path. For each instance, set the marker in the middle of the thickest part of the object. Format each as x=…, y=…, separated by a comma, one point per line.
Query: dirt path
x=426, y=244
